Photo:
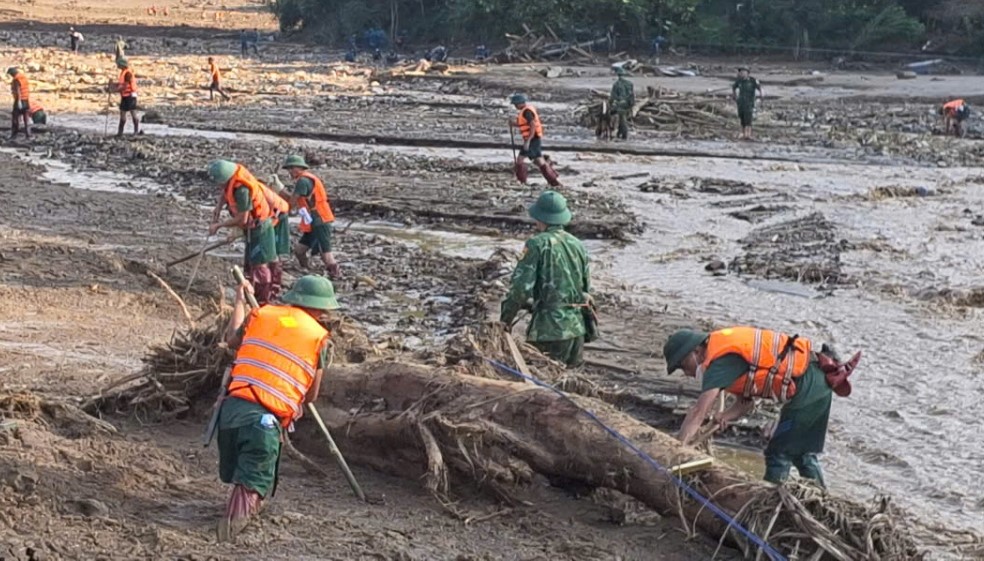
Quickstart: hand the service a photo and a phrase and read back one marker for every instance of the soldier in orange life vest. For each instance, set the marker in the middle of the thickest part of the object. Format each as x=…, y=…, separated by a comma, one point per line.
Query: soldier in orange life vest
x=954, y=112
x=262, y=215
x=281, y=351
x=126, y=86
x=751, y=364
x=531, y=128
x=20, y=90
x=214, y=76
x=310, y=198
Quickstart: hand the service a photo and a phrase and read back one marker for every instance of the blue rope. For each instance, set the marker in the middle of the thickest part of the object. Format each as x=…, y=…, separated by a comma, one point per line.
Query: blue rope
x=732, y=523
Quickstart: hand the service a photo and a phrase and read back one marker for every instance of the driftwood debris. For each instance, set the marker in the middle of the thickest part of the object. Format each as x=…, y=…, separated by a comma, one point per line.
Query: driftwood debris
x=663, y=109
x=533, y=47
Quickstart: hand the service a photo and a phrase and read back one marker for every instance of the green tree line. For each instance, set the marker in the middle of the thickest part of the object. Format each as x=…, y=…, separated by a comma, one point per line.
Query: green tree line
x=947, y=26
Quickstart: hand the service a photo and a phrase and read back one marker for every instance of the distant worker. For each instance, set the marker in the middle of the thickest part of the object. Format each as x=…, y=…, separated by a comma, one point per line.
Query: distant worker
x=750, y=364
x=249, y=204
x=310, y=198
x=437, y=54
x=37, y=113
x=621, y=100
x=75, y=39
x=552, y=281
x=656, y=47
x=531, y=128
x=281, y=353
x=350, y=56
x=120, y=48
x=254, y=40
x=243, y=43
x=482, y=52
x=126, y=86
x=20, y=90
x=743, y=91
x=215, y=77
x=954, y=113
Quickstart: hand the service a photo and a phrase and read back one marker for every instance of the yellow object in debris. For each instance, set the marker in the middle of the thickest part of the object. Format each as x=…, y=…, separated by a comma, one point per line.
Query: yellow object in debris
x=692, y=467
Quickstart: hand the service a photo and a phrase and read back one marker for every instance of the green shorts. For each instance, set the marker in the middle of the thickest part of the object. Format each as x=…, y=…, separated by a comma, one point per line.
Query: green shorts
x=248, y=453
x=319, y=239
x=261, y=244
x=282, y=230
x=746, y=114
x=535, y=151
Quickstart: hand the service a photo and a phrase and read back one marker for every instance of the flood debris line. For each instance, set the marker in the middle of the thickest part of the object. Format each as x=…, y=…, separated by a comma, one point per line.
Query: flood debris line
x=803, y=249
x=533, y=47
x=440, y=426
x=683, y=188
x=663, y=109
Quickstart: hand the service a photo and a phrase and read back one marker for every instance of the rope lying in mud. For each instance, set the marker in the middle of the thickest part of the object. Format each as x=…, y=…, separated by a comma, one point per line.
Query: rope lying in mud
x=694, y=494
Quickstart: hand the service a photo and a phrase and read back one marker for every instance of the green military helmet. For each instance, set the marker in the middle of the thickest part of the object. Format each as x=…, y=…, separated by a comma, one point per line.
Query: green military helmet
x=551, y=208
x=221, y=171
x=619, y=71
x=295, y=161
x=312, y=291
x=122, y=62
x=518, y=99
x=13, y=70
x=679, y=345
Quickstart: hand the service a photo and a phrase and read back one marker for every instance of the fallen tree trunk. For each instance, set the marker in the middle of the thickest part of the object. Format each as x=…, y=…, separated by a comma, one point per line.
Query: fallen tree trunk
x=418, y=422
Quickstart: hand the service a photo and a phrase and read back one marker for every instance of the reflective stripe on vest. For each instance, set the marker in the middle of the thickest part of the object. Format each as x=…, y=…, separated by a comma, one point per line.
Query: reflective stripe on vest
x=128, y=86
x=527, y=129
x=23, y=91
x=278, y=359
x=243, y=178
x=319, y=196
x=760, y=348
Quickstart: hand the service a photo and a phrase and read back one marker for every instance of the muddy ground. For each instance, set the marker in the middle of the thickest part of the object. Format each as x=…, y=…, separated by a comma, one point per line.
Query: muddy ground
x=850, y=221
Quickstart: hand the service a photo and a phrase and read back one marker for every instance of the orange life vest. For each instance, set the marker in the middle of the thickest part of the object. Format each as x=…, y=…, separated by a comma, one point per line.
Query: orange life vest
x=33, y=108
x=319, y=196
x=214, y=70
x=243, y=178
x=760, y=348
x=950, y=109
x=278, y=359
x=20, y=85
x=529, y=129
x=127, y=83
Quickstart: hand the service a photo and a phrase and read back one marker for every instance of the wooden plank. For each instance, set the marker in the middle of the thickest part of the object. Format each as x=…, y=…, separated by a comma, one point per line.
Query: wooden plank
x=693, y=466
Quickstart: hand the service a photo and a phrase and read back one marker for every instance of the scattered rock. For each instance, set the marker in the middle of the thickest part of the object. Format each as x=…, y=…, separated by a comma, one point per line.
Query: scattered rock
x=906, y=75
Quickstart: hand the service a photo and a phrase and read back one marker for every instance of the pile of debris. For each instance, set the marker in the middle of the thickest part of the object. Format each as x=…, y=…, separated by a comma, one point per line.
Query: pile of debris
x=662, y=109
x=531, y=47
x=803, y=250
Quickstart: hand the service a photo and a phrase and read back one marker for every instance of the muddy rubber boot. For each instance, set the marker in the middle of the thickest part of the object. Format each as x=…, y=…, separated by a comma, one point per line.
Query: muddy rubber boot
x=276, y=279
x=242, y=506
x=260, y=277
x=550, y=175
x=520, y=170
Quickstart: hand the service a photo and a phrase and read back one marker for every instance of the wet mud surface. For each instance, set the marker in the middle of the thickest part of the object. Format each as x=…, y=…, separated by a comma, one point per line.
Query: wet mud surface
x=820, y=227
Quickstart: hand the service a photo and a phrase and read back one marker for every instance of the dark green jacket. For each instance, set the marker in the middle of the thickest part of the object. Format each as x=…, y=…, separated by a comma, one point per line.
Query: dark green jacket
x=622, y=97
x=551, y=277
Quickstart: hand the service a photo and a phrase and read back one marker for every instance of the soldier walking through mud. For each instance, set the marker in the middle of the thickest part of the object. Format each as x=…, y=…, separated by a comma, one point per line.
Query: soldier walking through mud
x=750, y=364
x=214, y=77
x=743, y=91
x=262, y=216
x=119, y=49
x=531, y=128
x=310, y=198
x=552, y=282
x=75, y=39
x=126, y=86
x=621, y=100
x=20, y=90
x=281, y=353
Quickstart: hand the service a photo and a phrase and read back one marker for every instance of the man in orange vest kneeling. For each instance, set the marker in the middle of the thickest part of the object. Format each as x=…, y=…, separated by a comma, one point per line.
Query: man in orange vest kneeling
x=531, y=129
x=281, y=353
x=262, y=215
x=954, y=112
x=310, y=198
x=752, y=363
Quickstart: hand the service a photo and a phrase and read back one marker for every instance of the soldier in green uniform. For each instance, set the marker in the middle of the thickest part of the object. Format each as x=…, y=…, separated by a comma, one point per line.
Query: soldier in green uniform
x=551, y=280
x=802, y=428
x=743, y=91
x=621, y=101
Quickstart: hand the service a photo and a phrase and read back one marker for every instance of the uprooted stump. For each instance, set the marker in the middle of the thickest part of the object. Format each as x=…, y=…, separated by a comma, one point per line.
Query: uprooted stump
x=439, y=426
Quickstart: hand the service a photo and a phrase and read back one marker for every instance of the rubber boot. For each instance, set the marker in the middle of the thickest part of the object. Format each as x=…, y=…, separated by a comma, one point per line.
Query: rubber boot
x=261, y=278
x=520, y=169
x=242, y=506
x=550, y=175
x=276, y=279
